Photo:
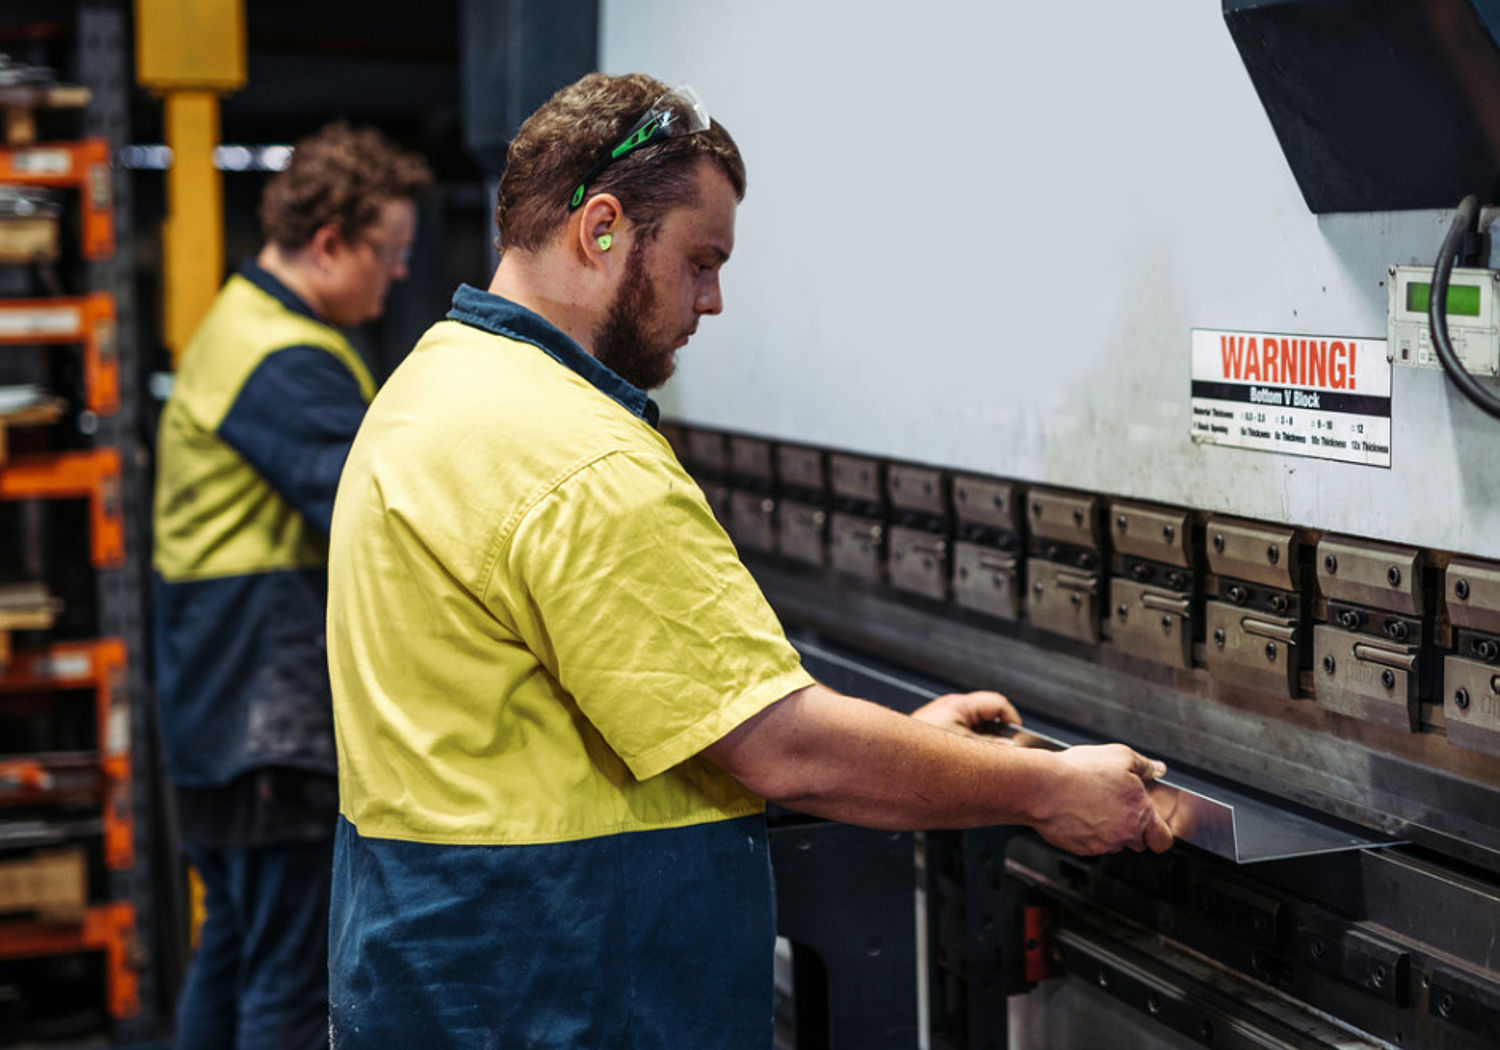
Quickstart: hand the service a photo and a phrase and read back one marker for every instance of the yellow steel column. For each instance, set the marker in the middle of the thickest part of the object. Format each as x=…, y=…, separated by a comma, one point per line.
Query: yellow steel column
x=190, y=52
x=193, y=238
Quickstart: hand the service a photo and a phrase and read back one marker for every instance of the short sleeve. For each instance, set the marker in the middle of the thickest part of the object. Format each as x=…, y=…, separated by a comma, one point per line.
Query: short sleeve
x=631, y=594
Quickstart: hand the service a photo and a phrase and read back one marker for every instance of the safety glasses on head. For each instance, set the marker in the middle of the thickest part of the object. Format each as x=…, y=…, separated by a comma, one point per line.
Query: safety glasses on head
x=679, y=112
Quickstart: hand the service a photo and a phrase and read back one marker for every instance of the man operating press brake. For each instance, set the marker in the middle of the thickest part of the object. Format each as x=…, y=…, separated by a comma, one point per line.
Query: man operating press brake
x=561, y=701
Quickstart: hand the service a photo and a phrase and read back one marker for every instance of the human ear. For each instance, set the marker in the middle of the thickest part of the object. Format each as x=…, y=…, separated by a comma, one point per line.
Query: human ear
x=326, y=241
x=601, y=223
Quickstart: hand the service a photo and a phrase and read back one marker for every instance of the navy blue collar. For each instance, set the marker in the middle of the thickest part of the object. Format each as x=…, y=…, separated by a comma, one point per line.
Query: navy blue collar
x=499, y=316
x=259, y=276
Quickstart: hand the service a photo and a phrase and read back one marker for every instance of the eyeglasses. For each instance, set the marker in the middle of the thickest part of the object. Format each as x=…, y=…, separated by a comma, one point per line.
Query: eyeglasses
x=678, y=112
x=389, y=255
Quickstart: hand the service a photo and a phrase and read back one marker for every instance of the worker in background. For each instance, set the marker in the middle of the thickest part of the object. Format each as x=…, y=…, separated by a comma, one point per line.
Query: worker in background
x=560, y=698
x=268, y=397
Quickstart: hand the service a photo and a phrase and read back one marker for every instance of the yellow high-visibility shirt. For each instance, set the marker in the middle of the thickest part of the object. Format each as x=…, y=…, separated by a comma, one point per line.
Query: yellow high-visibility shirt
x=535, y=624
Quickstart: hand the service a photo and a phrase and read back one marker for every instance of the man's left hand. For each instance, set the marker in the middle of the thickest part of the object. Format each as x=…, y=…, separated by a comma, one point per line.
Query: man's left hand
x=963, y=712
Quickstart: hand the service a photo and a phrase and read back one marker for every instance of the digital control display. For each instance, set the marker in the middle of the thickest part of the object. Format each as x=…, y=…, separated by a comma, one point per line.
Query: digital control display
x=1463, y=299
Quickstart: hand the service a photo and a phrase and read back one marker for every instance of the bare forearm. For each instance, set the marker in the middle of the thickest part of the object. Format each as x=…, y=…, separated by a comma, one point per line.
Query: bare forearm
x=849, y=760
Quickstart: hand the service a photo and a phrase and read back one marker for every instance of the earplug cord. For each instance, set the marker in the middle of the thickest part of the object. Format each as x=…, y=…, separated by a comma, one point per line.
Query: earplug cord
x=1437, y=310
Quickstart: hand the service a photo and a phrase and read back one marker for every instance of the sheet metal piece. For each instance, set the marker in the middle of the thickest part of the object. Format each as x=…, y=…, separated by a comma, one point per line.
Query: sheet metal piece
x=1209, y=815
x=1217, y=818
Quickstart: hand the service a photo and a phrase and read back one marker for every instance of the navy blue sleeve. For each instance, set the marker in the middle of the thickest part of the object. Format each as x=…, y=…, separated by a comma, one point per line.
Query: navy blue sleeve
x=294, y=421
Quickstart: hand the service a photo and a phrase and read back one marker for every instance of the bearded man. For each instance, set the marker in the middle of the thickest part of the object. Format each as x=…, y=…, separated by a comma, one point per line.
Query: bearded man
x=561, y=700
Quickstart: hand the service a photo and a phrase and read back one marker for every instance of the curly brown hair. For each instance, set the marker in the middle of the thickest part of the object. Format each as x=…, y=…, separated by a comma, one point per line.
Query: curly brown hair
x=341, y=175
x=562, y=140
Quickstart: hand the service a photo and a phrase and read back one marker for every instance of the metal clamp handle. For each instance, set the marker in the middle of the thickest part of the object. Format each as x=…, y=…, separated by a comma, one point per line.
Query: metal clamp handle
x=1161, y=603
x=1077, y=581
x=997, y=563
x=861, y=531
x=1261, y=629
x=1384, y=657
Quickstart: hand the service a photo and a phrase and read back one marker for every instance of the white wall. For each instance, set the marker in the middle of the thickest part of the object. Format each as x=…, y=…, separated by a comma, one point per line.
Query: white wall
x=977, y=234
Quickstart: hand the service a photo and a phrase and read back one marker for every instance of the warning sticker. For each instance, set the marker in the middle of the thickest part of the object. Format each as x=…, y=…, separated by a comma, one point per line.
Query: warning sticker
x=1323, y=396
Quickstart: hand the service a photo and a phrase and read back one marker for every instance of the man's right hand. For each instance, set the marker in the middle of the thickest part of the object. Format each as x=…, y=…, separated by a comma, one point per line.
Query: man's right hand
x=1099, y=802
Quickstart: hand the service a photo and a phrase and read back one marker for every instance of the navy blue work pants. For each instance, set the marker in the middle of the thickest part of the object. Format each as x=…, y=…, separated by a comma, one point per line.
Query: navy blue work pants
x=259, y=979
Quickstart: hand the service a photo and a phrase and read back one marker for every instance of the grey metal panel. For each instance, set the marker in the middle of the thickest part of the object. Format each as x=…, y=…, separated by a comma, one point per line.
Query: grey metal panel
x=1035, y=367
x=1367, y=573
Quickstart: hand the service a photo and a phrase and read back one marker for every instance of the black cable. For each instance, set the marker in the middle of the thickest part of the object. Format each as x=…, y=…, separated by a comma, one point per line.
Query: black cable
x=1437, y=310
